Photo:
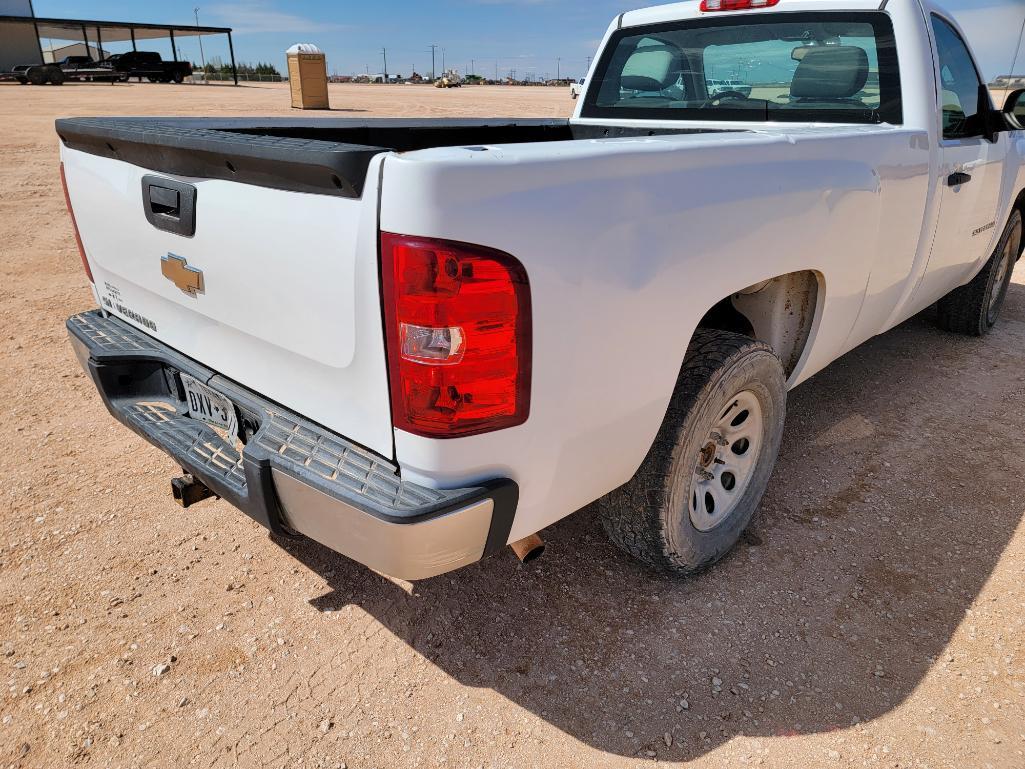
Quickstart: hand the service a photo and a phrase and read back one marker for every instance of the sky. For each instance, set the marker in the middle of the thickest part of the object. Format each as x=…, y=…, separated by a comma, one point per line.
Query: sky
x=529, y=37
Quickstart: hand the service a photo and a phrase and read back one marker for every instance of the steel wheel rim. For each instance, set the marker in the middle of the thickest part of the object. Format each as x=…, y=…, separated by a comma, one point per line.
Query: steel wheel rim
x=726, y=461
x=999, y=283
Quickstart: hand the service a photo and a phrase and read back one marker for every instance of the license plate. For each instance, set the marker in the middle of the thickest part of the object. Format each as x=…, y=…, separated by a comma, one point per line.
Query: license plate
x=210, y=406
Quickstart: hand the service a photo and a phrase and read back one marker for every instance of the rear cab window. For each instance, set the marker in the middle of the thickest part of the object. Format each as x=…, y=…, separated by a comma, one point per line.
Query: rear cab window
x=830, y=67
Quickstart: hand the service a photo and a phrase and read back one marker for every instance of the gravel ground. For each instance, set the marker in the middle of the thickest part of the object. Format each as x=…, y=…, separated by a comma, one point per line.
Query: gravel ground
x=873, y=616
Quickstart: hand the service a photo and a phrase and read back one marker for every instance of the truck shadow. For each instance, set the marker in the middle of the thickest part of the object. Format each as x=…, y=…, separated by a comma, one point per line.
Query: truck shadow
x=892, y=502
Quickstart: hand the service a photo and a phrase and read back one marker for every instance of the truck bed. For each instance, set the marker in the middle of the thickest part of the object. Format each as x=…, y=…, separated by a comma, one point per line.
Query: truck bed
x=325, y=156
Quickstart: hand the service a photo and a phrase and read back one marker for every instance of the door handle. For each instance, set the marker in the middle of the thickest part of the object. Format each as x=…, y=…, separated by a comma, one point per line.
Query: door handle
x=164, y=201
x=169, y=205
x=958, y=178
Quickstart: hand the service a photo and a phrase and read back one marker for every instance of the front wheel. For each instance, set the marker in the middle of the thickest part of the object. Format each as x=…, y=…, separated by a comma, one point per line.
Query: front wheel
x=705, y=475
x=973, y=309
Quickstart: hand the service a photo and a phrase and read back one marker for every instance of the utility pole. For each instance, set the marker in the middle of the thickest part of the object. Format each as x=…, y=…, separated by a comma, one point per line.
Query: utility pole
x=473, y=67
x=202, y=58
x=558, y=68
x=384, y=53
x=433, y=48
x=443, y=70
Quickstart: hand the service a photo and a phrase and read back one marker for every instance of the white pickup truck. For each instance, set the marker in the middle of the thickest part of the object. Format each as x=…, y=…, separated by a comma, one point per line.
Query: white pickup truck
x=419, y=341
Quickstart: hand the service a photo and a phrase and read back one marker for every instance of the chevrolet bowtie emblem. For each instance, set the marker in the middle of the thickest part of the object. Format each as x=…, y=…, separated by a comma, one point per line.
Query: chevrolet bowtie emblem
x=177, y=270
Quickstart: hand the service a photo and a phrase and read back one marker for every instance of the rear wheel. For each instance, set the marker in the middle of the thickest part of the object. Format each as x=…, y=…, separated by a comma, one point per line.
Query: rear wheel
x=705, y=475
x=57, y=76
x=973, y=309
x=179, y=77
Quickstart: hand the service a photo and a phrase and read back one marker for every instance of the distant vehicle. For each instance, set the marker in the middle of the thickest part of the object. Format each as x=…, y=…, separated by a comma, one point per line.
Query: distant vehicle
x=576, y=88
x=68, y=68
x=149, y=65
x=450, y=79
x=493, y=323
x=720, y=87
x=85, y=68
x=38, y=74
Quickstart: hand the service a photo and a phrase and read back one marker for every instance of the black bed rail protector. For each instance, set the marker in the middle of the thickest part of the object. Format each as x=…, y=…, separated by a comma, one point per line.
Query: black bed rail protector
x=320, y=155
x=212, y=152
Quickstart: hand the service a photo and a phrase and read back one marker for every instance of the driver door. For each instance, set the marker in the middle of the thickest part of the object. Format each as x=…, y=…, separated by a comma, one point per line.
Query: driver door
x=969, y=174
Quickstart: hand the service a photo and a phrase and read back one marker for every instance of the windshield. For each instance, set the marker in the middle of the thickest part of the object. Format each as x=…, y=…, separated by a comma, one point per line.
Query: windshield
x=817, y=67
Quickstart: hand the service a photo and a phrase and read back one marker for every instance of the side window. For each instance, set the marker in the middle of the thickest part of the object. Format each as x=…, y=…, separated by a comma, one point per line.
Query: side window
x=959, y=83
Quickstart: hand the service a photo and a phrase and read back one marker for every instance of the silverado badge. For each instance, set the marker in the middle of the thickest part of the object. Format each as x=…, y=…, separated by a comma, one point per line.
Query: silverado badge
x=177, y=270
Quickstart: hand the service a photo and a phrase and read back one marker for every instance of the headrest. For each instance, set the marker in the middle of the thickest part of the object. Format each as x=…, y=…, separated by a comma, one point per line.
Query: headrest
x=651, y=68
x=830, y=72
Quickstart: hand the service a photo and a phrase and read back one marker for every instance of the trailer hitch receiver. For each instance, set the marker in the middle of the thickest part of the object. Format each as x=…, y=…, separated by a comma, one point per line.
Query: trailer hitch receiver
x=187, y=491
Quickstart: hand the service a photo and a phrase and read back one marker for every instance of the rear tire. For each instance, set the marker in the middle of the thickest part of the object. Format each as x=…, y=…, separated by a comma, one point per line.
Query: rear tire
x=708, y=468
x=973, y=309
x=57, y=76
x=179, y=77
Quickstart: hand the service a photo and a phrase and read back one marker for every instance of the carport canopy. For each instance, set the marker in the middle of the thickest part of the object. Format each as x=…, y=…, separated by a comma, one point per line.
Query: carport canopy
x=100, y=32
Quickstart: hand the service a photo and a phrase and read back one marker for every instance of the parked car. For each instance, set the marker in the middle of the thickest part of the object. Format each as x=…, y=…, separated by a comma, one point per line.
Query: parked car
x=720, y=88
x=576, y=88
x=418, y=341
x=149, y=65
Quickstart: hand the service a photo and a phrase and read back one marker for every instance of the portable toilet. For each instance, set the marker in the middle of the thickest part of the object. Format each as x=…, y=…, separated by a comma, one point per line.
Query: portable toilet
x=307, y=76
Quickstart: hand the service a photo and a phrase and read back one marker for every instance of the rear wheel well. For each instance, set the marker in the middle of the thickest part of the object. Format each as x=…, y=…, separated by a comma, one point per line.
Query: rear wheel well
x=779, y=311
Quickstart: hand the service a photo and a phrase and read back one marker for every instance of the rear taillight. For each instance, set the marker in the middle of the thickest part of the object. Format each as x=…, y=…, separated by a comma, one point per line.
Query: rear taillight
x=74, y=226
x=736, y=5
x=459, y=336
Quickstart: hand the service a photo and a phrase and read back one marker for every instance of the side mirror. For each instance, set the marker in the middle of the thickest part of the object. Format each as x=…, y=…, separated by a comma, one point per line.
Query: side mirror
x=1014, y=110
x=995, y=122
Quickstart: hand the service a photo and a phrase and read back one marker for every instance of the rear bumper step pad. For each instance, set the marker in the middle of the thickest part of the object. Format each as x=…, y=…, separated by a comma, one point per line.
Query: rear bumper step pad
x=291, y=475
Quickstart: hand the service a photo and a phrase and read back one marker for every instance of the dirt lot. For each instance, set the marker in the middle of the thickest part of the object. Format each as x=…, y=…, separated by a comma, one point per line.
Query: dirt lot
x=874, y=616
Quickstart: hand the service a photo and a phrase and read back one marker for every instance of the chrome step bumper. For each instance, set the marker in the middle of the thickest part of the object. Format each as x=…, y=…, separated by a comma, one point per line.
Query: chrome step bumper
x=289, y=474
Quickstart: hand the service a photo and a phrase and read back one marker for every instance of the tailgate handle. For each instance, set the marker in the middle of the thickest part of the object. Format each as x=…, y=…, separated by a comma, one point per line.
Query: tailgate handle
x=169, y=205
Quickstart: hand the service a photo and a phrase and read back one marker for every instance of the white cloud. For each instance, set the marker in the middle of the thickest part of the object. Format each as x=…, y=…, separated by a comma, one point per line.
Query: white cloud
x=261, y=16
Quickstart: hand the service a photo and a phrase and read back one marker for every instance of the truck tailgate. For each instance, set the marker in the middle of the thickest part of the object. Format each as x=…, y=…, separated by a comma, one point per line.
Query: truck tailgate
x=288, y=303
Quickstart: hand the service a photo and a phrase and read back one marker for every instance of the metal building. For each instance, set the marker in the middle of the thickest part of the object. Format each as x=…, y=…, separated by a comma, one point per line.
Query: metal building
x=21, y=34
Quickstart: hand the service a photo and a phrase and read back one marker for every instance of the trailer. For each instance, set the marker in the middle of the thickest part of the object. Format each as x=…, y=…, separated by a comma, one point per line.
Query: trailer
x=36, y=74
